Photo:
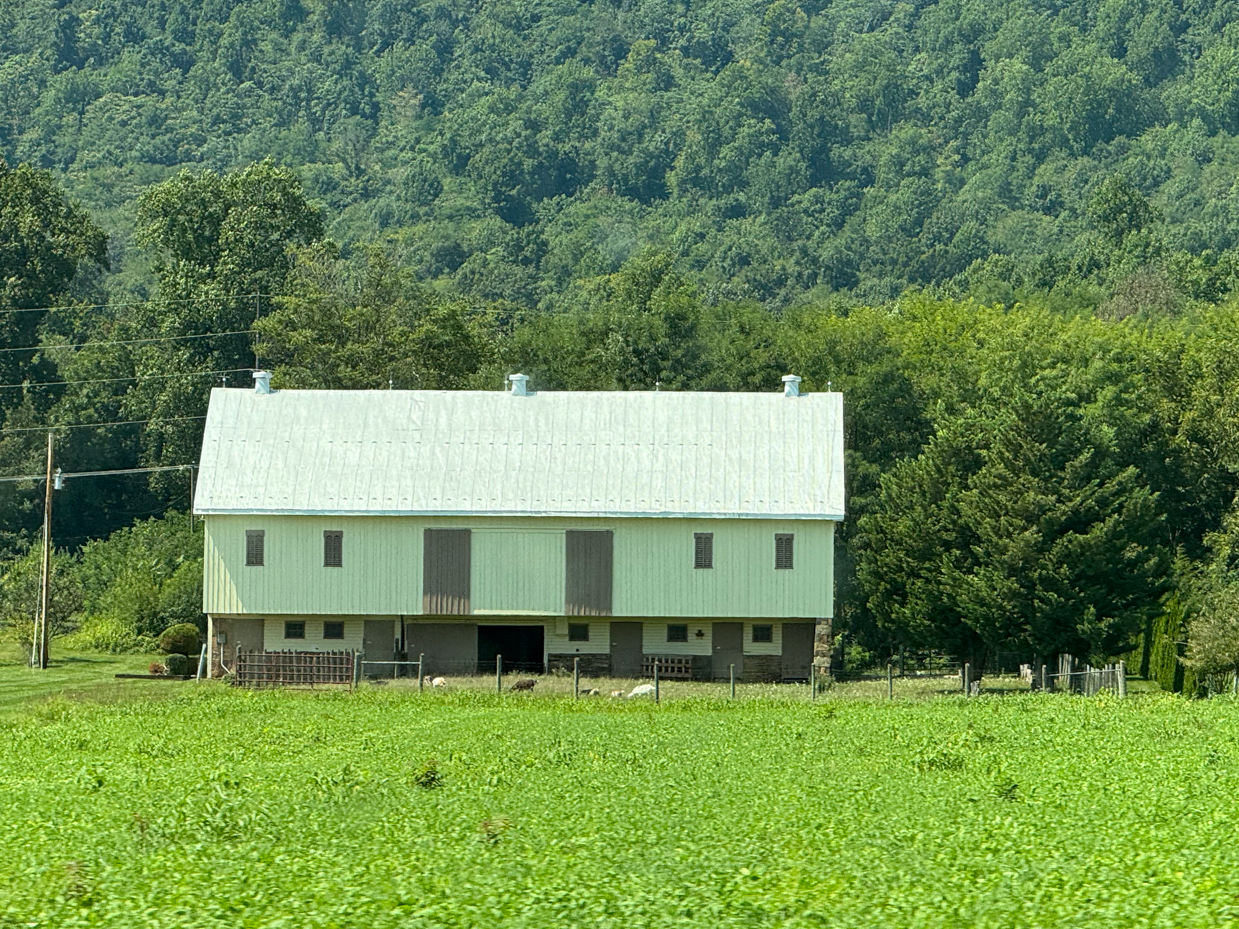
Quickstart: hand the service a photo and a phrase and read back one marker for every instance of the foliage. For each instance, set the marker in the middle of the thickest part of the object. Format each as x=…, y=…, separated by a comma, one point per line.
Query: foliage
x=177, y=663
x=21, y=590
x=517, y=835
x=1213, y=633
x=181, y=639
x=107, y=633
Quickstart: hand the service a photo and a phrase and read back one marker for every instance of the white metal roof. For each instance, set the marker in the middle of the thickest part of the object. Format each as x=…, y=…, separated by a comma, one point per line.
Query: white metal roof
x=479, y=453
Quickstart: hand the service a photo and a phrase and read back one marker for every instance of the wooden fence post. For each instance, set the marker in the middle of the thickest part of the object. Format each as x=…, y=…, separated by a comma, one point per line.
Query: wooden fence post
x=655, y=680
x=966, y=676
x=421, y=675
x=498, y=674
x=1122, y=682
x=576, y=678
x=812, y=682
x=890, y=681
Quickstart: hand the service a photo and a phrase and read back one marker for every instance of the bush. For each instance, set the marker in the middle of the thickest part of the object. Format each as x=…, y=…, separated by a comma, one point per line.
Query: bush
x=108, y=634
x=181, y=639
x=178, y=664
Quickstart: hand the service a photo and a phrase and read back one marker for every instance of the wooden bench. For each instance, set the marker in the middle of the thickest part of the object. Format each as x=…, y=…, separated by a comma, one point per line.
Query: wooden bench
x=670, y=667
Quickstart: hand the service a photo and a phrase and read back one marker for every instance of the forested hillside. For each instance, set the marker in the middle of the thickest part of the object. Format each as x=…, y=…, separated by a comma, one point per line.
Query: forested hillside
x=507, y=150
x=1008, y=232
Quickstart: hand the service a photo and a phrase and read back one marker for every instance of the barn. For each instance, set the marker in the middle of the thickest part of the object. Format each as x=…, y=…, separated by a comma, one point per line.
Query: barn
x=613, y=527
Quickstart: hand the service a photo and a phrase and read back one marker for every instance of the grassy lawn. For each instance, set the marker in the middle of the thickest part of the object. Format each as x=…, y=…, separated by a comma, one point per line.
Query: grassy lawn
x=385, y=808
x=72, y=675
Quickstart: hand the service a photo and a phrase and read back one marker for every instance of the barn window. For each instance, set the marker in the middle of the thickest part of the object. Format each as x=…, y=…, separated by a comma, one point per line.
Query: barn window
x=578, y=632
x=254, y=539
x=333, y=549
x=333, y=630
x=783, y=551
x=294, y=630
x=703, y=549
x=677, y=632
x=764, y=633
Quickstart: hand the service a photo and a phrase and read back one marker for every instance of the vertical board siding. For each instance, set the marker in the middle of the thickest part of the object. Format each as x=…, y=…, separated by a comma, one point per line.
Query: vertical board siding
x=589, y=572
x=381, y=574
x=446, y=572
x=653, y=574
x=599, y=643
x=274, y=641
x=518, y=571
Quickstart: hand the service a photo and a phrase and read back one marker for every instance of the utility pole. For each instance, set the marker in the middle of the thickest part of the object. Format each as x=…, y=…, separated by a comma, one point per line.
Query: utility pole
x=44, y=637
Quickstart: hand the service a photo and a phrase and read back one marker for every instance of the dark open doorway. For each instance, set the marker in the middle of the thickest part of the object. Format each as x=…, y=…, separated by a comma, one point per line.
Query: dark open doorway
x=520, y=646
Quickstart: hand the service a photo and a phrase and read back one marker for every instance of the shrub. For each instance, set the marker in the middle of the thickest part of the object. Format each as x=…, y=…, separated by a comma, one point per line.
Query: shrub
x=178, y=664
x=181, y=639
x=108, y=634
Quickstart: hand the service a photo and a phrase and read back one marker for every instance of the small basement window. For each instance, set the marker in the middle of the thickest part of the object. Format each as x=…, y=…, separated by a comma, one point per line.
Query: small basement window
x=294, y=630
x=332, y=631
x=763, y=633
x=703, y=549
x=333, y=549
x=254, y=539
x=578, y=632
x=783, y=551
x=677, y=632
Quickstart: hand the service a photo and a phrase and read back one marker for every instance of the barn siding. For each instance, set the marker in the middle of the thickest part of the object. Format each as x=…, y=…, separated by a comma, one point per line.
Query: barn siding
x=274, y=641
x=518, y=571
x=653, y=567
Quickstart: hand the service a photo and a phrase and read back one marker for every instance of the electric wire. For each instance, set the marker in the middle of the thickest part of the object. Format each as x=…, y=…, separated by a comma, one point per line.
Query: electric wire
x=136, y=377
x=65, y=475
x=101, y=306
x=165, y=338
x=52, y=427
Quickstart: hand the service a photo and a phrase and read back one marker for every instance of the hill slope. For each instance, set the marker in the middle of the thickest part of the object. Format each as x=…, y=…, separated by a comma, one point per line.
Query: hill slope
x=508, y=149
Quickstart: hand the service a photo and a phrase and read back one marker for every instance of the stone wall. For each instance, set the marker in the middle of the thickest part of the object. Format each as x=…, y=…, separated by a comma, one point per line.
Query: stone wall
x=591, y=665
x=823, y=645
x=762, y=668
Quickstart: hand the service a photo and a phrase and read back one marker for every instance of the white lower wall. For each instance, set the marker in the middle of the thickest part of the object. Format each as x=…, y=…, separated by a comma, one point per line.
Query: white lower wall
x=274, y=641
x=654, y=639
x=557, y=638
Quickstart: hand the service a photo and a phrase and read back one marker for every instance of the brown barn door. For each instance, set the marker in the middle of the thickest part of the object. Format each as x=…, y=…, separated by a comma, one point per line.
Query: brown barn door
x=587, y=573
x=445, y=572
x=797, y=651
x=626, y=649
x=728, y=649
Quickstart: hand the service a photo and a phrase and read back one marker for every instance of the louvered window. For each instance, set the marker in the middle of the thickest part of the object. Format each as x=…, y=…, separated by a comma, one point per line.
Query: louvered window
x=783, y=551
x=703, y=550
x=333, y=549
x=254, y=539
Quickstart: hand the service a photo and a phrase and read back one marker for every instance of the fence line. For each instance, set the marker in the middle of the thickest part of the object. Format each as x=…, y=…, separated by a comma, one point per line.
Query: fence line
x=295, y=669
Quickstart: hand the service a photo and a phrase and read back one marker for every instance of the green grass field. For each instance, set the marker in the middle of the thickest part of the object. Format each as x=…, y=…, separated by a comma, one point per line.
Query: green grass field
x=198, y=805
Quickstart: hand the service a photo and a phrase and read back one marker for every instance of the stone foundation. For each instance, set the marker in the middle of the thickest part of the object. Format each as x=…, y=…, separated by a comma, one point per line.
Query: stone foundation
x=823, y=645
x=245, y=633
x=590, y=665
x=762, y=669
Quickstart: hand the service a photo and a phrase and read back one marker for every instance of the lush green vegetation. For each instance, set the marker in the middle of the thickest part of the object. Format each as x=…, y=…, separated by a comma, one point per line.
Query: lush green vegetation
x=1007, y=232
x=510, y=150
x=380, y=808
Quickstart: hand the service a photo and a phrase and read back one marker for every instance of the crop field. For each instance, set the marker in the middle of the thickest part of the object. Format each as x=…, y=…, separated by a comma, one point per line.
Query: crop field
x=198, y=805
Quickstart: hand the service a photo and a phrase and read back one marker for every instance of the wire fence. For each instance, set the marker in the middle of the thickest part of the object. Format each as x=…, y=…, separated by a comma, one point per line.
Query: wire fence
x=592, y=675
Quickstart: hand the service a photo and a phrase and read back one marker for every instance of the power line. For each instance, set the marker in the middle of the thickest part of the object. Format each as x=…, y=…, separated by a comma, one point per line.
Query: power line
x=68, y=474
x=103, y=306
x=166, y=338
x=52, y=427
x=136, y=377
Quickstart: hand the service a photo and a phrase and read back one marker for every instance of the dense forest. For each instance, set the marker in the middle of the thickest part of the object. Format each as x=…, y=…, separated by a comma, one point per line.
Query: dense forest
x=1008, y=232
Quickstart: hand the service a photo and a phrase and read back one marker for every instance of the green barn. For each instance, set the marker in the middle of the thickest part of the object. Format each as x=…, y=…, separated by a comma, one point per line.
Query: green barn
x=614, y=527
